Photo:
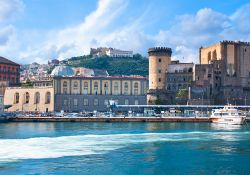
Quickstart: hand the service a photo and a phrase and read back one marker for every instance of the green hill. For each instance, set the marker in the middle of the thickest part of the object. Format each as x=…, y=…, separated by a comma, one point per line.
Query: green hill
x=137, y=65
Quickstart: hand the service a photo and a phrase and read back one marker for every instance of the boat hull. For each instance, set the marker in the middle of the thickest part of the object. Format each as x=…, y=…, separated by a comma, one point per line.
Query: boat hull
x=228, y=120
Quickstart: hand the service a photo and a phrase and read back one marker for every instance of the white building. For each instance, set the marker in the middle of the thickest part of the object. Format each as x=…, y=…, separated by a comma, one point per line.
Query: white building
x=112, y=52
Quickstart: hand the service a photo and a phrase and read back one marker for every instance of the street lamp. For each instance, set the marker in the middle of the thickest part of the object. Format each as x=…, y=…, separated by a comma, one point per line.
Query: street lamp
x=111, y=106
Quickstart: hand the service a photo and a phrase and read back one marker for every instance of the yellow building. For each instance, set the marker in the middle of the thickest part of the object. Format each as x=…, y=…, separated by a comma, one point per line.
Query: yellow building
x=30, y=99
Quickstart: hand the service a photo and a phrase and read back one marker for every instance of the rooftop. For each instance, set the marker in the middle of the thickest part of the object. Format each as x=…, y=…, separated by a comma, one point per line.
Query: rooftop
x=7, y=61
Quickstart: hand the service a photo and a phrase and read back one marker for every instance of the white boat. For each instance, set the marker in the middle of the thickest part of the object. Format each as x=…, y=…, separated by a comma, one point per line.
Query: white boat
x=228, y=115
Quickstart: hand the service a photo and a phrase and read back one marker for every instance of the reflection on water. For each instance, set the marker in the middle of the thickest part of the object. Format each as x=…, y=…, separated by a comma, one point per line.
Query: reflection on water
x=216, y=126
x=123, y=148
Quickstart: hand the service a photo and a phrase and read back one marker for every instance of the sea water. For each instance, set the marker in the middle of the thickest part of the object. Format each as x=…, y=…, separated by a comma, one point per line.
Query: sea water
x=123, y=148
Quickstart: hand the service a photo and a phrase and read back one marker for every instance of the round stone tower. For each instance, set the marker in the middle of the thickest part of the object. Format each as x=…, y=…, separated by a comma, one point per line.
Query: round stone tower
x=159, y=59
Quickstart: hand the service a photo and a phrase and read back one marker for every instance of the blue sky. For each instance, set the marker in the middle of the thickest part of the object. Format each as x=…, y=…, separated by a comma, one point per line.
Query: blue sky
x=40, y=30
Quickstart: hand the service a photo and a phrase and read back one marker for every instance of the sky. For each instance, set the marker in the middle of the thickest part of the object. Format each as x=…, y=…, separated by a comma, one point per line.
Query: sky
x=41, y=30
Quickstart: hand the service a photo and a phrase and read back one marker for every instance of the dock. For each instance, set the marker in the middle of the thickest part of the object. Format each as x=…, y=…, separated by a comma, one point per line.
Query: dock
x=109, y=119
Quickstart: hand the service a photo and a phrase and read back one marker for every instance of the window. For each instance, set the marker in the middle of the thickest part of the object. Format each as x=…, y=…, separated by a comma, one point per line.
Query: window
x=159, y=60
x=27, y=97
x=159, y=79
x=106, y=102
x=106, y=88
x=85, y=102
x=209, y=57
x=85, y=88
x=37, y=98
x=116, y=102
x=8, y=69
x=75, y=87
x=136, y=102
x=65, y=102
x=126, y=88
x=116, y=88
x=126, y=102
x=75, y=102
x=4, y=69
x=47, y=98
x=136, y=88
x=16, y=98
x=209, y=75
x=95, y=88
x=65, y=87
x=159, y=71
x=95, y=102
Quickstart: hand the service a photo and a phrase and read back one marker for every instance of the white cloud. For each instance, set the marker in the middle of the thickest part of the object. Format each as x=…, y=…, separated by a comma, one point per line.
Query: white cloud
x=9, y=8
x=5, y=33
x=204, y=28
x=185, y=36
x=77, y=40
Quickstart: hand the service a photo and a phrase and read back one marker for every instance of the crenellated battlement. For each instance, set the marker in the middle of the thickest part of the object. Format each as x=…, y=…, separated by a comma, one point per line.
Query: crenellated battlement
x=235, y=42
x=160, y=51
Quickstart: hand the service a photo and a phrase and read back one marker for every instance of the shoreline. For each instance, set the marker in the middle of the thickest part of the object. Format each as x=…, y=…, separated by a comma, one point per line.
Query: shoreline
x=109, y=119
x=112, y=119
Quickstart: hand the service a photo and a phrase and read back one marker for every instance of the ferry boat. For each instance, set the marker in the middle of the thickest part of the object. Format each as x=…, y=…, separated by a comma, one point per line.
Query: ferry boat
x=227, y=115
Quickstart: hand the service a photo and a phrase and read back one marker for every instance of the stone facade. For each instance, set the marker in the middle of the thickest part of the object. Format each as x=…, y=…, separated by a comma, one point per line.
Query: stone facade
x=159, y=59
x=30, y=99
x=225, y=72
x=75, y=94
x=179, y=76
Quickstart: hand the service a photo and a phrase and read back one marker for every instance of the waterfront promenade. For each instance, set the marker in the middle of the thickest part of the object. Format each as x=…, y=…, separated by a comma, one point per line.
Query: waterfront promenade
x=111, y=119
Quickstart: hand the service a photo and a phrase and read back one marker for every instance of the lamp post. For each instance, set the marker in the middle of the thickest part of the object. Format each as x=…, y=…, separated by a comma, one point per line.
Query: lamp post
x=111, y=105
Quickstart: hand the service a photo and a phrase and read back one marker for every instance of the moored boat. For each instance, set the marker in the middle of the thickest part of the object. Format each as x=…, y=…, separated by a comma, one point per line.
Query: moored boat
x=228, y=115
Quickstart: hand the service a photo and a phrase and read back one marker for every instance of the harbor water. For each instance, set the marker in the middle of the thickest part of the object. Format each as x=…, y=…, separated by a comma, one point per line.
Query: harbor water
x=140, y=148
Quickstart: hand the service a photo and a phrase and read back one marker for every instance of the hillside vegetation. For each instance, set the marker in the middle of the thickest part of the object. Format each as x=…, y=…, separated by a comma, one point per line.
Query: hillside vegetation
x=137, y=65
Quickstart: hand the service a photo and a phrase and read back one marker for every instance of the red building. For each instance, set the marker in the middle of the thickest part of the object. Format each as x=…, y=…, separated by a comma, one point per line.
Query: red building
x=9, y=71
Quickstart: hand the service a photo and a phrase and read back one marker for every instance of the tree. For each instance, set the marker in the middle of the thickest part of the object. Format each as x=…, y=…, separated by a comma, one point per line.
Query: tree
x=27, y=83
x=182, y=94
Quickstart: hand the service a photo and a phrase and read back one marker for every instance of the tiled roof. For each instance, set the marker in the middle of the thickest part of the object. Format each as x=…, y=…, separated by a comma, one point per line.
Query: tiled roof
x=6, y=61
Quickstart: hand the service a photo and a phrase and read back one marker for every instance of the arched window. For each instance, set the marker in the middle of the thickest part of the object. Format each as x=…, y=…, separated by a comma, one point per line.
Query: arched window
x=209, y=57
x=106, y=88
x=65, y=87
x=126, y=88
x=75, y=90
x=95, y=88
x=116, y=88
x=214, y=55
x=37, y=98
x=136, y=88
x=47, y=98
x=16, y=98
x=27, y=97
x=85, y=88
